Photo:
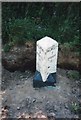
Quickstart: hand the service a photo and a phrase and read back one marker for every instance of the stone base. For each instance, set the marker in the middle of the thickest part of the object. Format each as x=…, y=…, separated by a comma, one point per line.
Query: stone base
x=37, y=81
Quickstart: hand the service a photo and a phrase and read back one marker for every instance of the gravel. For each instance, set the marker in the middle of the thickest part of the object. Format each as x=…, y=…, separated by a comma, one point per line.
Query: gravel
x=21, y=97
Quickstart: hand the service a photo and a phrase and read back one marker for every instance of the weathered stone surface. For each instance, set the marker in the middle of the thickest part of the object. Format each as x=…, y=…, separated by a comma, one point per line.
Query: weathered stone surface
x=46, y=56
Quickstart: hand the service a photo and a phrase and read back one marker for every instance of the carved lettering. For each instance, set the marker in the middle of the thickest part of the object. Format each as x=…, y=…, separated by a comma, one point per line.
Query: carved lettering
x=46, y=56
x=52, y=57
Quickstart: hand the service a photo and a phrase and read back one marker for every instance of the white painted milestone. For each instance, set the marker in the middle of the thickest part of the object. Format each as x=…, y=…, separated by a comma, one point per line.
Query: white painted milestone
x=46, y=56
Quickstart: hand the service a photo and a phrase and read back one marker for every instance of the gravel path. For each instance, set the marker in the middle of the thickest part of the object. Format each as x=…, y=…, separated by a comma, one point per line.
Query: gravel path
x=18, y=93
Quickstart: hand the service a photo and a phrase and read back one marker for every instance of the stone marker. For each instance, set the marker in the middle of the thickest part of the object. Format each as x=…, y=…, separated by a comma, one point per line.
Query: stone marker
x=46, y=62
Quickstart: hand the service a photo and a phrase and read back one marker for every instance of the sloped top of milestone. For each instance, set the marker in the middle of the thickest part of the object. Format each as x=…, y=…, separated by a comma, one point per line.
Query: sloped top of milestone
x=47, y=42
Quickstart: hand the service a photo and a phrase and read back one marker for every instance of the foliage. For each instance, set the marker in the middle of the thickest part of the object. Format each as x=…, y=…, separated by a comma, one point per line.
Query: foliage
x=7, y=47
x=32, y=21
x=73, y=75
x=21, y=30
x=75, y=108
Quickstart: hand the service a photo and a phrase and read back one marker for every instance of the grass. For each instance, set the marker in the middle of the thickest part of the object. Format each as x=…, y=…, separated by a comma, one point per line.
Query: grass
x=73, y=75
x=75, y=108
x=7, y=47
x=21, y=30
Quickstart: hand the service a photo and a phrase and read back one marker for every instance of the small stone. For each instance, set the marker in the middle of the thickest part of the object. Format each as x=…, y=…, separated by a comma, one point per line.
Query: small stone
x=51, y=114
x=6, y=111
x=74, y=91
x=76, y=116
x=17, y=83
x=40, y=115
x=3, y=117
x=66, y=106
x=44, y=97
x=28, y=116
x=55, y=110
x=11, y=88
x=34, y=100
x=18, y=108
x=21, y=76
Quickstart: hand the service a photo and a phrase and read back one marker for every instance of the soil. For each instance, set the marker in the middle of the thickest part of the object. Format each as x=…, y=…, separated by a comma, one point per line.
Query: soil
x=24, y=57
x=20, y=96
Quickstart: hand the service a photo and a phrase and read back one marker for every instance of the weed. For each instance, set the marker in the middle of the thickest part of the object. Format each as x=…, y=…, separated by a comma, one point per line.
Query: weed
x=73, y=75
x=75, y=108
x=6, y=47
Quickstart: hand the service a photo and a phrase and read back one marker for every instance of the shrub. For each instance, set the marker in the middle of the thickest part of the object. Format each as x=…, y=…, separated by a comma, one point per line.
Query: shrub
x=21, y=30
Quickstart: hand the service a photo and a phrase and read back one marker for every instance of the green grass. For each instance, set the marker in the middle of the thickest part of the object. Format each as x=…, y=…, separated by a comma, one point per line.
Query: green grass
x=21, y=30
x=75, y=108
x=7, y=47
x=32, y=21
x=73, y=75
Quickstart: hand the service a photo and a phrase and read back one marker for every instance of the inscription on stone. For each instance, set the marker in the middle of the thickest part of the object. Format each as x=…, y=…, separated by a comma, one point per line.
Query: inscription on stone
x=46, y=57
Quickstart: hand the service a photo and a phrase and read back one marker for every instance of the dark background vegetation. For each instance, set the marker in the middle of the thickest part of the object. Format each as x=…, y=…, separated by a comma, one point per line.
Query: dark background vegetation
x=23, y=21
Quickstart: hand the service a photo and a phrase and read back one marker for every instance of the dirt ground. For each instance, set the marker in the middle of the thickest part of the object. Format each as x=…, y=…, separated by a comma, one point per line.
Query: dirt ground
x=19, y=95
